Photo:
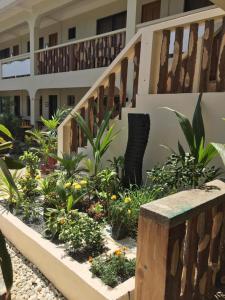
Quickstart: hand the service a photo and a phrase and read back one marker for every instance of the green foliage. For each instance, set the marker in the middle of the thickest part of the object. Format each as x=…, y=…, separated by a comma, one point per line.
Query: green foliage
x=11, y=122
x=113, y=269
x=195, y=136
x=180, y=173
x=79, y=232
x=5, y=264
x=125, y=208
x=7, y=191
x=31, y=160
x=117, y=163
x=70, y=163
x=102, y=141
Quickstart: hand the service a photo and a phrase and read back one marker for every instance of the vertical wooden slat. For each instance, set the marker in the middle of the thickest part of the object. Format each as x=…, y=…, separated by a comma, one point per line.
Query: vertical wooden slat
x=101, y=92
x=190, y=259
x=191, y=58
x=91, y=114
x=214, y=249
x=204, y=232
x=173, y=82
x=164, y=57
x=111, y=91
x=220, y=84
x=174, y=262
x=206, y=55
x=83, y=142
x=74, y=135
x=137, y=52
x=123, y=83
x=221, y=275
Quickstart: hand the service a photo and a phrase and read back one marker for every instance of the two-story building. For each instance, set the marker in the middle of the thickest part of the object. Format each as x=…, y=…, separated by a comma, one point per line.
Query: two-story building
x=51, y=52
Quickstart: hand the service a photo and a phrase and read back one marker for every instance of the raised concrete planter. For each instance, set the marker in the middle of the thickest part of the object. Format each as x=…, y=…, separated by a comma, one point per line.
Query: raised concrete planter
x=72, y=279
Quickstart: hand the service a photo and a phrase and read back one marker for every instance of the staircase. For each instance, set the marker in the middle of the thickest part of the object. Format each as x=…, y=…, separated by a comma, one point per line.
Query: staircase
x=182, y=55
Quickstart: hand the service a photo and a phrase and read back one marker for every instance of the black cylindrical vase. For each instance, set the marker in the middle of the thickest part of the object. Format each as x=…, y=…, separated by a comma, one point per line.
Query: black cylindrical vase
x=138, y=127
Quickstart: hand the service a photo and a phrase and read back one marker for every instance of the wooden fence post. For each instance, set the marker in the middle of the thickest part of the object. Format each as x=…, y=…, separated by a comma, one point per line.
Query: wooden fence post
x=179, y=236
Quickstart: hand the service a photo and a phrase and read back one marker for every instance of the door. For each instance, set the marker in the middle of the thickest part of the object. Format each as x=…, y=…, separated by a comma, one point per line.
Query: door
x=16, y=50
x=150, y=11
x=17, y=106
x=53, y=101
x=53, y=39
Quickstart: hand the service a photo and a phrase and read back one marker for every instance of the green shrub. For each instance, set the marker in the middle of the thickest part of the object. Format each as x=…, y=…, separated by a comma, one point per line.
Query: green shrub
x=180, y=173
x=79, y=232
x=113, y=269
x=31, y=161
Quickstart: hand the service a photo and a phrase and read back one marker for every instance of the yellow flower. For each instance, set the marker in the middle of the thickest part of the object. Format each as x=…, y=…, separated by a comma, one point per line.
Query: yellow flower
x=129, y=211
x=83, y=182
x=77, y=187
x=118, y=252
x=114, y=197
x=75, y=183
x=67, y=185
x=127, y=200
x=38, y=177
x=62, y=221
x=90, y=259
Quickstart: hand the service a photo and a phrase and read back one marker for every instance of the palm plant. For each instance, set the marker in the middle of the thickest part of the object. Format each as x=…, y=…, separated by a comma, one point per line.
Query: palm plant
x=104, y=137
x=220, y=148
x=194, y=134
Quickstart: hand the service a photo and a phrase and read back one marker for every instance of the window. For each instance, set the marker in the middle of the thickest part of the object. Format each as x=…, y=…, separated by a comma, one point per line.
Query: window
x=150, y=11
x=72, y=33
x=41, y=106
x=41, y=43
x=112, y=23
x=16, y=50
x=53, y=39
x=191, y=5
x=71, y=100
x=28, y=46
x=17, y=106
x=28, y=106
x=5, y=53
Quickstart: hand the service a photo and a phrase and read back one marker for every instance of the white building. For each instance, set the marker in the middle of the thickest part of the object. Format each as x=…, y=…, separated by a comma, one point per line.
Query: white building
x=53, y=51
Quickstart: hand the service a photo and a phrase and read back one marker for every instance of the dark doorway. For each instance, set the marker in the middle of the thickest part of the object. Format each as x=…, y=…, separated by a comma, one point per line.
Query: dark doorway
x=53, y=39
x=150, y=11
x=111, y=23
x=16, y=50
x=191, y=5
x=17, y=106
x=53, y=105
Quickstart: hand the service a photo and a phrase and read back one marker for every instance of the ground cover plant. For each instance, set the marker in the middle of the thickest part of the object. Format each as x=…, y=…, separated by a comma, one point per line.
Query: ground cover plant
x=73, y=202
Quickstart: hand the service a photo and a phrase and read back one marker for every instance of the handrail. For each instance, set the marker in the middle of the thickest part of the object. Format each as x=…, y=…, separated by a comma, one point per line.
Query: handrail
x=82, y=40
x=15, y=58
x=104, y=76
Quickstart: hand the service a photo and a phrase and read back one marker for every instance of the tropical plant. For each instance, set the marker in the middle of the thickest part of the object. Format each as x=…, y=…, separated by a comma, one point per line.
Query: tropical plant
x=70, y=163
x=6, y=280
x=195, y=136
x=114, y=268
x=104, y=137
x=31, y=161
x=7, y=191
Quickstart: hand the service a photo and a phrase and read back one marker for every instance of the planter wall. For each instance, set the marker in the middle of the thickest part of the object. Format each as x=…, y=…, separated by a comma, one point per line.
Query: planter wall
x=72, y=279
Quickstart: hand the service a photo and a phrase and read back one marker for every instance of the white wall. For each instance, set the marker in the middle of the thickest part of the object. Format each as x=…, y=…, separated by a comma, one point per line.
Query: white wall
x=164, y=126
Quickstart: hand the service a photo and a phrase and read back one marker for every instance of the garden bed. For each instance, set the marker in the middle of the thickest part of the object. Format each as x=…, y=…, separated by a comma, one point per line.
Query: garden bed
x=73, y=279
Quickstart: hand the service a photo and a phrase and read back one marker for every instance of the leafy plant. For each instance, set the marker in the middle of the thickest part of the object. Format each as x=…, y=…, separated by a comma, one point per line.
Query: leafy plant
x=104, y=138
x=6, y=269
x=195, y=136
x=70, y=163
x=31, y=161
x=7, y=191
x=79, y=232
x=113, y=269
x=180, y=173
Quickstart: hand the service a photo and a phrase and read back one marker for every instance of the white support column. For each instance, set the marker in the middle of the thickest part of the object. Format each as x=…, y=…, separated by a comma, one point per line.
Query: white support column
x=32, y=94
x=33, y=26
x=131, y=19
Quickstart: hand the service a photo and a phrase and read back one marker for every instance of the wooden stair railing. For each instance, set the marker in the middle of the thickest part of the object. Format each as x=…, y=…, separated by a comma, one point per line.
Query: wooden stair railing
x=103, y=96
x=181, y=242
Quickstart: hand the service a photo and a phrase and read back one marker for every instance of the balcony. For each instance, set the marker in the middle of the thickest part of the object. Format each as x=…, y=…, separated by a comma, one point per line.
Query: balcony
x=95, y=52
x=17, y=66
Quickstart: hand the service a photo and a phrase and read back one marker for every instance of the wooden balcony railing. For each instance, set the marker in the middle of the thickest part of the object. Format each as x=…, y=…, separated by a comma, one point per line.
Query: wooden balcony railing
x=95, y=52
x=181, y=242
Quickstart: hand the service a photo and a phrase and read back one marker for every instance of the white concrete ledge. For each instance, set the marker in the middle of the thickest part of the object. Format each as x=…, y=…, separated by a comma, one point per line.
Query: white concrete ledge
x=72, y=279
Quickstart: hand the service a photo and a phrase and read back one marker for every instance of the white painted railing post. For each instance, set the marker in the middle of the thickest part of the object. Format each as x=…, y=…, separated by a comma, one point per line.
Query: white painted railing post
x=33, y=27
x=145, y=62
